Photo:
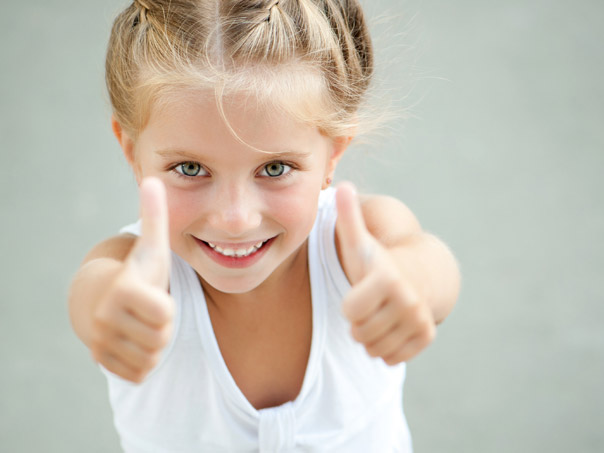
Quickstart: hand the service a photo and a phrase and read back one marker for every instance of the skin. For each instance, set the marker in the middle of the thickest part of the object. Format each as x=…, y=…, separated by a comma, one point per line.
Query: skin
x=199, y=182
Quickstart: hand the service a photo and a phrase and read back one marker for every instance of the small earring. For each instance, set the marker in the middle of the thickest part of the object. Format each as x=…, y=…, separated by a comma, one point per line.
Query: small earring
x=328, y=181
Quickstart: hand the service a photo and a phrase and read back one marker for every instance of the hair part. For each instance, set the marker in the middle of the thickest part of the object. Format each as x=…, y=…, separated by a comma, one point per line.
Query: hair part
x=312, y=59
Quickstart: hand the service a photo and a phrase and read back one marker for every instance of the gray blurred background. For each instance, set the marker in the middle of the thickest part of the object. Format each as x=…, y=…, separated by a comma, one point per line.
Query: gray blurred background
x=502, y=157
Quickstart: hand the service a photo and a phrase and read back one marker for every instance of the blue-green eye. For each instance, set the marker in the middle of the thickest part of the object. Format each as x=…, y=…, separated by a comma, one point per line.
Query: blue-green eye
x=188, y=168
x=276, y=169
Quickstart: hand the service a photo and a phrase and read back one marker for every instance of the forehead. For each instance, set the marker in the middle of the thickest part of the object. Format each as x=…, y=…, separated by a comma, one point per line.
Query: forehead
x=191, y=119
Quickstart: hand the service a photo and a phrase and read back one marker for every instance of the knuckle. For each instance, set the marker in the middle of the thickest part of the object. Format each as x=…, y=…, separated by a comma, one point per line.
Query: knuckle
x=96, y=353
x=423, y=338
x=111, y=305
x=391, y=282
x=350, y=310
x=155, y=340
x=372, y=351
x=430, y=332
x=148, y=362
x=102, y=316
x=166, y=335
x=122, y=291
x=96, y=350
x=412, y=295
x=170, y=305
x=154, y=360
x=162, y=341
x=99, y=342
x=345, y=304
x=357, y=333
x=400, y=308
x=416, y=311
x=393, y=360
x=166, y=315
x=425, y=323
x=163, y=306
x=138, y=376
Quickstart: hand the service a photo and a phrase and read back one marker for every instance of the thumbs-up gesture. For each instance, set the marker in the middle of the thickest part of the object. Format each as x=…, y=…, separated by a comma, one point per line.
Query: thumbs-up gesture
x=387, y=314
x=132, y=322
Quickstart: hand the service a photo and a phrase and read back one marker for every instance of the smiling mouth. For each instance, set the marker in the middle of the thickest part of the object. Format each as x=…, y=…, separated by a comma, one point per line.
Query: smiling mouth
x=237, y=252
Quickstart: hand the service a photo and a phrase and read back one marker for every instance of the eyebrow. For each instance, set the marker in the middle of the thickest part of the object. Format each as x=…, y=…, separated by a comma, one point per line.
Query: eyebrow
x=190, y=155
x=288, y=154
x=181, y=153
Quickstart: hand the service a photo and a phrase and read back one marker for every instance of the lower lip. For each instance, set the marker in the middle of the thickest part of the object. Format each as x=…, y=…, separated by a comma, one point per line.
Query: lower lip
x=234, y=261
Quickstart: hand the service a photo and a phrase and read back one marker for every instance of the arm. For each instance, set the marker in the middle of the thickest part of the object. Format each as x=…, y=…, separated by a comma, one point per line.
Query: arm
x=404, y=281
x=421, y=257
x=118, y=302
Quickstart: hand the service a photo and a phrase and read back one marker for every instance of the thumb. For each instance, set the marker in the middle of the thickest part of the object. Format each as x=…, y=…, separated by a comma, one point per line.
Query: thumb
x=357, y=246
x=150, y=257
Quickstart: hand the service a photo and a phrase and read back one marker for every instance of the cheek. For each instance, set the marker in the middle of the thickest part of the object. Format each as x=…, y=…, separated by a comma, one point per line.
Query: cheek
x=295, y=208
x=183, y=208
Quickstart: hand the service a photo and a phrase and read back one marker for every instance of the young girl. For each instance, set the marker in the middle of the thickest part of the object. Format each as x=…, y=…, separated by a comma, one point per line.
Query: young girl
x=253, y=307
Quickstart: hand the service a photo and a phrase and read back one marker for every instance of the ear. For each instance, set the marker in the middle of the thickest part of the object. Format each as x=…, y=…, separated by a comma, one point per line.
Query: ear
x=127, y=145
x=339, y=145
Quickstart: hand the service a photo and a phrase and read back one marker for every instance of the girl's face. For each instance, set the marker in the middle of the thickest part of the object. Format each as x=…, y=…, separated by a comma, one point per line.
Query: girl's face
x=237, y=214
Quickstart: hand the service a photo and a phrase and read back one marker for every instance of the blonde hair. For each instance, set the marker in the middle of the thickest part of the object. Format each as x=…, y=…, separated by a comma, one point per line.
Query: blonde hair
x=311, y=58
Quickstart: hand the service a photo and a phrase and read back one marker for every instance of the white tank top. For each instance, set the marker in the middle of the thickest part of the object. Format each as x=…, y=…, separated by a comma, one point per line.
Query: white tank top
x=349, y=402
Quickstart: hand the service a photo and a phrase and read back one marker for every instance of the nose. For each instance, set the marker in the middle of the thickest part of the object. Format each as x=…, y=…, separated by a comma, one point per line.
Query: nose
x=235, y=209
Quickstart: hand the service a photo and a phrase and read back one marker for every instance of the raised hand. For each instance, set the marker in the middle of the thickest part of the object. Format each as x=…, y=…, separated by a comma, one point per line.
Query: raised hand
x=387, y=314
x=132, y=322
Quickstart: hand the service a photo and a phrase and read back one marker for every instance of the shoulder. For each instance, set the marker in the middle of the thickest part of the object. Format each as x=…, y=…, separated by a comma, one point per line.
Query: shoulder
x=388, y=219
x=117, y=248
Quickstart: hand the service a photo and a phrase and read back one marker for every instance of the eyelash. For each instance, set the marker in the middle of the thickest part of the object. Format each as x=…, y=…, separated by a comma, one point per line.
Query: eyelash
x=175, y=168
x=289, y=172
x=281, y=176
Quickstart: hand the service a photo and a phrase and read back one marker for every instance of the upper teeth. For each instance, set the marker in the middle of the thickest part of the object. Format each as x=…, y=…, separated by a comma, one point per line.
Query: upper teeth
x=236, y=252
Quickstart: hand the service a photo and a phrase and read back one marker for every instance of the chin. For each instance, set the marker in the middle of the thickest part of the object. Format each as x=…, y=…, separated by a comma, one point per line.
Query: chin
x=233, y=285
